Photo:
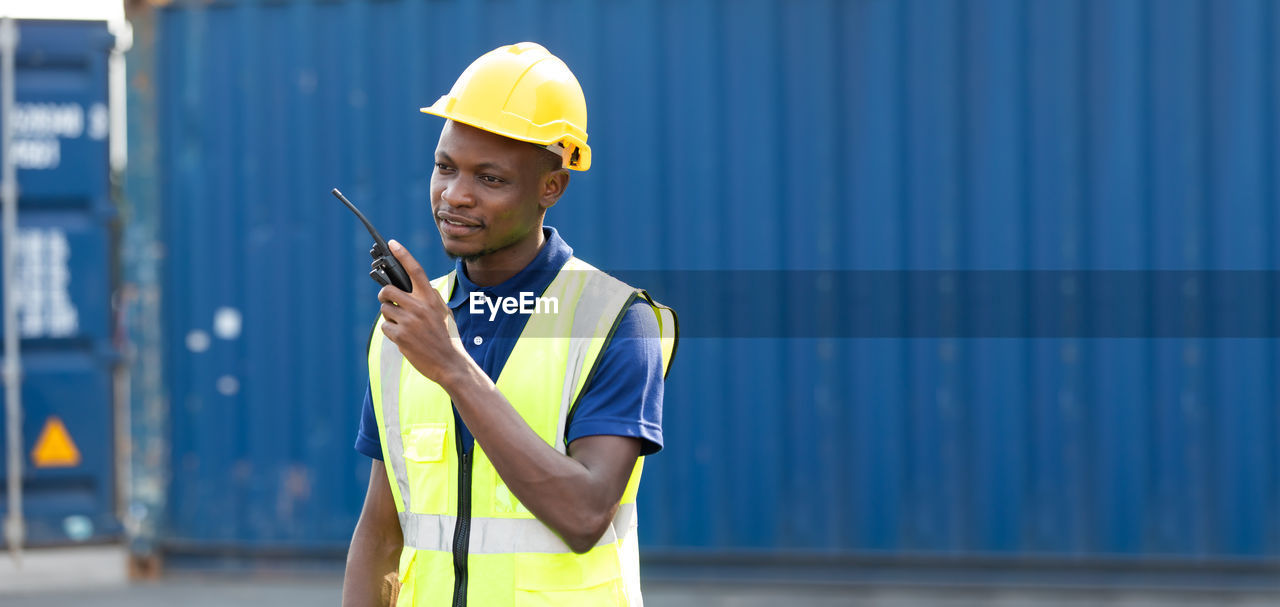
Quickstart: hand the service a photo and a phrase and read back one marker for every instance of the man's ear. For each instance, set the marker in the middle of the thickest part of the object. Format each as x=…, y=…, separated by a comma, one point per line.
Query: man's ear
x=553, y=187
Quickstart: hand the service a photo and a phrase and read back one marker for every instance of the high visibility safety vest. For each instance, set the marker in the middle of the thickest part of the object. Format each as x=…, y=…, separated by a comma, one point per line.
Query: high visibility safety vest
x=467, y=539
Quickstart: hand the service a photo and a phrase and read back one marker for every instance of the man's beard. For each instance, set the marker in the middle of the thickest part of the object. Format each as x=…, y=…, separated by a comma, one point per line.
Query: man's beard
x=475, y=256
x=467, y=258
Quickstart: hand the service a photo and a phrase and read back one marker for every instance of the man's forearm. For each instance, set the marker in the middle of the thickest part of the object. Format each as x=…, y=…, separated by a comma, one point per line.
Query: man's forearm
x=374, y=556
x=560, y=490
x=370, y=577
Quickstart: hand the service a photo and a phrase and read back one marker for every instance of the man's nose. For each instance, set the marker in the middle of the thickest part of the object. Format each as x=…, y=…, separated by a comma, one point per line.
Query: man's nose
x=457, y=193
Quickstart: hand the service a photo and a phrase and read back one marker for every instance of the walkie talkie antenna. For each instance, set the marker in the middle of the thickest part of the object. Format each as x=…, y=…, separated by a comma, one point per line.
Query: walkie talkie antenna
x=377, y=238
x=385, y=269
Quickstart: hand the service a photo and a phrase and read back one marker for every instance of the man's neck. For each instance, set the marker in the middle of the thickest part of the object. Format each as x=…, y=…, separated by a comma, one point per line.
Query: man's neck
x=499, y=266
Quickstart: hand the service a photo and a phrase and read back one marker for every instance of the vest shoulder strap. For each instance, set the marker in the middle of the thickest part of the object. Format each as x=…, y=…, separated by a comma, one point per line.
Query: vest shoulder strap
x=620, y=296
x=444, y=284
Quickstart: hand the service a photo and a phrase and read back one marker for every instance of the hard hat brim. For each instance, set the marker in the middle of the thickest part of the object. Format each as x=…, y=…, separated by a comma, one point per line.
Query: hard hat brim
x=584, y=152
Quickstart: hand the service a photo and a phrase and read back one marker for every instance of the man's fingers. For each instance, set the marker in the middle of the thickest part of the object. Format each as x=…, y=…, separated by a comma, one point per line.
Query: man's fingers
x=389, y=294
x=411, y=266
x=422, y=289
x=391, y=312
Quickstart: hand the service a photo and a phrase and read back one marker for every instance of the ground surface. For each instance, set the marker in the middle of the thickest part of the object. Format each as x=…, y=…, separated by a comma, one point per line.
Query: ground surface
x=95, y=576
x=205, y=591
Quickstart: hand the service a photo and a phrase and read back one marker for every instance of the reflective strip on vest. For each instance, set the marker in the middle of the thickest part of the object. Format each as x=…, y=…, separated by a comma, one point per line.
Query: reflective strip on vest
x=391, y=360
x=587, y=316
x=391, y=363
x=501, y=535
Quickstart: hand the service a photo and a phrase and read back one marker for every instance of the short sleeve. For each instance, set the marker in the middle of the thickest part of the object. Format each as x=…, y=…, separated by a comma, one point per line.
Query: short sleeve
x=367, y=440
x=624, y=397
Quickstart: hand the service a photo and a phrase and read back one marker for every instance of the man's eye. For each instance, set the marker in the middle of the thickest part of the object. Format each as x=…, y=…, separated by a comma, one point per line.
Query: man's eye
x=491, y=179
x=440, y=166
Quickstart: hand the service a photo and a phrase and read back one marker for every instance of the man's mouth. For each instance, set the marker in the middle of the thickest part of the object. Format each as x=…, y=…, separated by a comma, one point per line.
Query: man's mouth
x=456, y=225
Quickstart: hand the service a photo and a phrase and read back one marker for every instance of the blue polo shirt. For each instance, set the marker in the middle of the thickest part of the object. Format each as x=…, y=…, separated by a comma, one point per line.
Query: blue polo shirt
x=624, y=397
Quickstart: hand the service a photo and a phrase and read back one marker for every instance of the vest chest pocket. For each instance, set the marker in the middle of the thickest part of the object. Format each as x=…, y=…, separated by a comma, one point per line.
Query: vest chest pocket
x=427, y=467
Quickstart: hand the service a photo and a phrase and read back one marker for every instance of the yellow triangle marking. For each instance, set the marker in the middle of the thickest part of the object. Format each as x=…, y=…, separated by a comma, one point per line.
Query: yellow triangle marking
x=54, y=448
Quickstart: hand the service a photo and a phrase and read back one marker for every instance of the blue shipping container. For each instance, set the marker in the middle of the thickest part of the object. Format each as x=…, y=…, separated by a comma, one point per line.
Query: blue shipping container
x=65, y=256
x=767, y=138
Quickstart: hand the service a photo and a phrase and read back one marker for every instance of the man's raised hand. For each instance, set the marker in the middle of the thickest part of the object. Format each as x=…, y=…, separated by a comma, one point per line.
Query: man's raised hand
x=420, y=323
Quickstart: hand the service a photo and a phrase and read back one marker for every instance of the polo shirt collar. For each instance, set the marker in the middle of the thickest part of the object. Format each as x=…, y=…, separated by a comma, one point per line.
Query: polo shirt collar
x=534, y=278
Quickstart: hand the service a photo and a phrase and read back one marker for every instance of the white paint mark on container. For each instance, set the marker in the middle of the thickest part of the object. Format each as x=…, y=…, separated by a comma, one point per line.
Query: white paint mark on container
x=48, y=119
x=228, y=385
x=226, y=323
x=78, y=527
x=37, y=154
x=99, y=124
x=45, y=308
x=197, y=341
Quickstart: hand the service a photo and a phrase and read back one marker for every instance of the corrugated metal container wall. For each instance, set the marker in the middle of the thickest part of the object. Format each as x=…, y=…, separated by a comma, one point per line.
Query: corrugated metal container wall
x=64, y=255
x=761, y=135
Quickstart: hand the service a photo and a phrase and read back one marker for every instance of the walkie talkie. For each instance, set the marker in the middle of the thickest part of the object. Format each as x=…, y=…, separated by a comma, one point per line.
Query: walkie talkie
x=384, y=270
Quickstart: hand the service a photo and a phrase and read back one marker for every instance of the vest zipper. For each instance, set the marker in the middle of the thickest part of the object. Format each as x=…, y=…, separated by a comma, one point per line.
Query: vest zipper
x=462, y=532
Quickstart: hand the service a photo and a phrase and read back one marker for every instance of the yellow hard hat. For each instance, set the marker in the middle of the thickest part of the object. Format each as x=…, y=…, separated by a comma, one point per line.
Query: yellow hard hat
x=524, y=92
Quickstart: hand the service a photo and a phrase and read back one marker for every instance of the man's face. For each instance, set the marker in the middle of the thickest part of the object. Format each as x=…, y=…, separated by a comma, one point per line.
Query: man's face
x=488, y=192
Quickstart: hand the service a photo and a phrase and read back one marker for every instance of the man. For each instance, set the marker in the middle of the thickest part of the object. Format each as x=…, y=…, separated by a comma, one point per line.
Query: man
x=508, y=438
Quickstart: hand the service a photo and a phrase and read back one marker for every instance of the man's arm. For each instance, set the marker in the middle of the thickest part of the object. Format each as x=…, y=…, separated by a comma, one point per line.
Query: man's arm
x=575, y=495
x=374, y=555
x=578, y=495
